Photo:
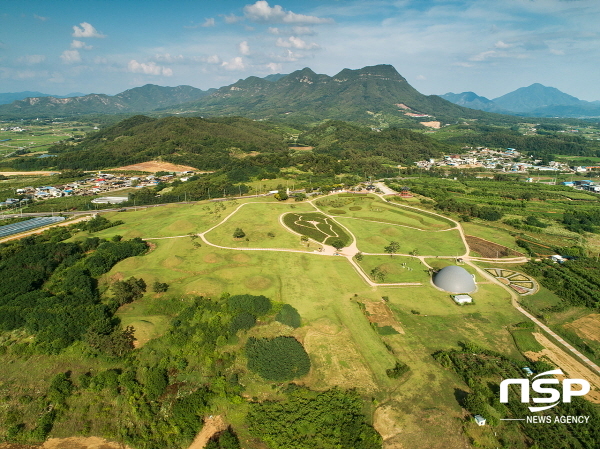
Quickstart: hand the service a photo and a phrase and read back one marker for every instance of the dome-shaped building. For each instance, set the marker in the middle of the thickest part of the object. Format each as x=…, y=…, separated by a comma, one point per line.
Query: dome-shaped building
x=454, y=279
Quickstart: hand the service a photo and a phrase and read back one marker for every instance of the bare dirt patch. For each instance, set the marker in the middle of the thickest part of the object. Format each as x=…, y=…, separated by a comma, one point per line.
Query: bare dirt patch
x=380, y=314
x=154, y=166
x=27, y=173
x=489, y=249
x=71, y=443
x=301, y=148
x=586, y=327
x=570, y=366
x=212, y=425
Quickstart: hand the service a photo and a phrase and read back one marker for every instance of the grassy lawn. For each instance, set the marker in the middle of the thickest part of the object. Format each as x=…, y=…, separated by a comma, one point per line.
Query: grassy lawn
x=260, y=222
x=166, y=221
x=372, y=208
x=394, y=269
x=373, y=237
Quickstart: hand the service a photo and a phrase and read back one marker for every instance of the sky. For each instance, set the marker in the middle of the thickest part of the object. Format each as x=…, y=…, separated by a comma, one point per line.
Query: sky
x=490, y=47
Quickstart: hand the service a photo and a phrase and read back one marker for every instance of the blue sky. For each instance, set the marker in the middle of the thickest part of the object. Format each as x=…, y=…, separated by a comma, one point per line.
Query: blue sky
x=490, y=47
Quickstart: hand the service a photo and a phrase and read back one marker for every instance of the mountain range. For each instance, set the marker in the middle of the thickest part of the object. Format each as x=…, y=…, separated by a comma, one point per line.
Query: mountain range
x=9, y=97
x=536, y=100
x=374, y=95
x=139, y=99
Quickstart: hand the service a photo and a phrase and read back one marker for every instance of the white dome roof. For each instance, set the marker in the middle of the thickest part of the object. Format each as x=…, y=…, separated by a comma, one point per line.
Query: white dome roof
x=454, y=279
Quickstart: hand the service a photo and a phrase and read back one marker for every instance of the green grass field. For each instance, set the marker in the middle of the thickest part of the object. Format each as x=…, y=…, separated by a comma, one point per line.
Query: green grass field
x=372, y=208
x=373, y=237
x=260, y=223
x=396, y=268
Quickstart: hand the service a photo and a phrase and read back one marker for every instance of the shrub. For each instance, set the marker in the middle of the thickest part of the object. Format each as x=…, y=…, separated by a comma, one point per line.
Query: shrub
x=277, y=359
x=256, y=305
x=289, y=316
x=243, y=320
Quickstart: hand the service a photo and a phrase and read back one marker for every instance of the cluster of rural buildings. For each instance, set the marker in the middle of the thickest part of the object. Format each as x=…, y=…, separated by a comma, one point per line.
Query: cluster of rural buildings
x=100, y=183
x=509, y=160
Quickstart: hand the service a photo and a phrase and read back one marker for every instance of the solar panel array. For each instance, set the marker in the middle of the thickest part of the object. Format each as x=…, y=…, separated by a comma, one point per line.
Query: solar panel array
x=27, y=225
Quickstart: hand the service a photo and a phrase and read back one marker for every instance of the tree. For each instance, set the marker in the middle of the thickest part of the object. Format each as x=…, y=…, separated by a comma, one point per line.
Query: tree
x=359, y=256
x=128, y=291
x=238, y=233
x=378, y=274
x=337, y=243
x=392, y=248
x=160, y=287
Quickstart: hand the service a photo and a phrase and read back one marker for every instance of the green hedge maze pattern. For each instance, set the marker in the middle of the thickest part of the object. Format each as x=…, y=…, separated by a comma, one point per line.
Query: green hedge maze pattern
x=316, y=226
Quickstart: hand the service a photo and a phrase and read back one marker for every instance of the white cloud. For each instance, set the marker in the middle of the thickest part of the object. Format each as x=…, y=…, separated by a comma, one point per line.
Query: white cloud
x=232, y=18
x=70, y=56
x=25, y=74
x=295, y=42
x=213, y=59
x=484, y=55
x=43, y=19
x=100, y=60
x=31, y=59
x=208, y=23
x=169, y=58
x=244, y=48
x=421, y=77
x=274, y=30
x=148, y=69
x=262, y=12
x=80, y=44
x=86, y=30
x=236, y=63
x=300, y=30
x=557, y=52
x=274, y=67
x=502, y=45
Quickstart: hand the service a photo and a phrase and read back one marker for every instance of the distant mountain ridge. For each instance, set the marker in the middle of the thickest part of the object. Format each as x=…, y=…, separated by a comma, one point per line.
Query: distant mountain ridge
x=474, y=101
x=536, y=100
x=367, y=95
x=9, y=97
x=138, y=99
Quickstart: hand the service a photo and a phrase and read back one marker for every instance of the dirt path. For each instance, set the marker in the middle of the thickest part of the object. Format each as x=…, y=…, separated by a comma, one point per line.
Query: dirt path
x=573, y=370
x=212, y=425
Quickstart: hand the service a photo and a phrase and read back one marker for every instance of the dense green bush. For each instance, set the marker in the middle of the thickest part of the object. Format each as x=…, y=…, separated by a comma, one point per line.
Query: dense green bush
x=308, y=419
x=256, y=305
x=289, y=315
x=278, y=359
x=242, y=321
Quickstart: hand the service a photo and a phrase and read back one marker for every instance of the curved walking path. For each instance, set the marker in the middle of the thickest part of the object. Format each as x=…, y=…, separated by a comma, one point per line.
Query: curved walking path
x=350, y=251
